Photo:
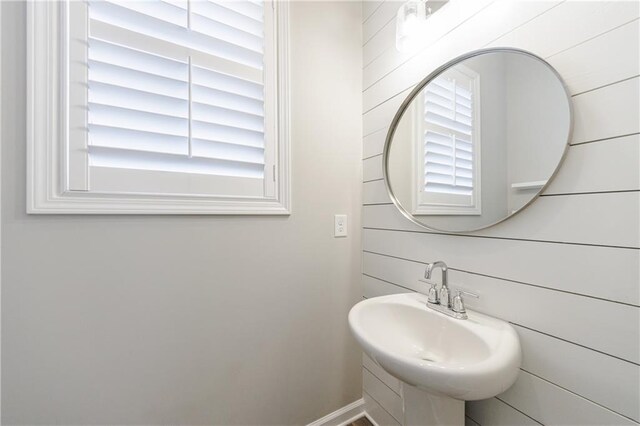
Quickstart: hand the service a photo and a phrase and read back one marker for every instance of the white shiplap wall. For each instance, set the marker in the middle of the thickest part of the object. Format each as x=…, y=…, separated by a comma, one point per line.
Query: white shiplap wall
x=566, y=272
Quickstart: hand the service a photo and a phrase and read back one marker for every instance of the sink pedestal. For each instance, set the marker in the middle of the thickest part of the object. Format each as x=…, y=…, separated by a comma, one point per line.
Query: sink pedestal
x=422, y=408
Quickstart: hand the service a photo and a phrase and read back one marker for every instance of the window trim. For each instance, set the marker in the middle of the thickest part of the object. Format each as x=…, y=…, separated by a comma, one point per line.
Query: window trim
x=47, y=136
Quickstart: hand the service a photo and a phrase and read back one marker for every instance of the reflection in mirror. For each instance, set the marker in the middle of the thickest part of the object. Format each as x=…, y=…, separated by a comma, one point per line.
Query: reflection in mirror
x=478, y=141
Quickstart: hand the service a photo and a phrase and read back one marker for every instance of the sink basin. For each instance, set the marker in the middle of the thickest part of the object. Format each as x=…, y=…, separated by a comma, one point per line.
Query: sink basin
x=470, y=359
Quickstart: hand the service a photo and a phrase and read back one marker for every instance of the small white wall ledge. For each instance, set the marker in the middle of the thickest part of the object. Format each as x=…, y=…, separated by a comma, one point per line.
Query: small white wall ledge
x=529, y=185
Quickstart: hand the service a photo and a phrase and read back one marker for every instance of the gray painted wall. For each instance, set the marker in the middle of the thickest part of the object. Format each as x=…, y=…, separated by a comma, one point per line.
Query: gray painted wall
x=192, y=319
x=566, y=271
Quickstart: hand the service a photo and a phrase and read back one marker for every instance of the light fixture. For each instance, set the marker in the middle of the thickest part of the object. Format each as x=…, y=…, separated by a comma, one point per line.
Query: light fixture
x=411, y=25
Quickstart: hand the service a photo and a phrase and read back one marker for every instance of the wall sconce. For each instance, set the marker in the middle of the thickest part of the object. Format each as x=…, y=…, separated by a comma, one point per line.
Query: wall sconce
x=411, y=25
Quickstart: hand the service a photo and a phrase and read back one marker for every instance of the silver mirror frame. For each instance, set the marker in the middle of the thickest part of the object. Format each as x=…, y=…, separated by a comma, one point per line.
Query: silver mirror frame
x=403, y=107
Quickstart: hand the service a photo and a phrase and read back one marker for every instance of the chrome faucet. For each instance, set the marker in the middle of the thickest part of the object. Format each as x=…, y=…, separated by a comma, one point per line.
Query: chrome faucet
x=443, y=295
x=441, y=300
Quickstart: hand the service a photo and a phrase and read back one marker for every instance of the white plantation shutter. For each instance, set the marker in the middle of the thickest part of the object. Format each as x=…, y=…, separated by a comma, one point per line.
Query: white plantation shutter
x=448, y=137
x=175, y=95
x=448, y=126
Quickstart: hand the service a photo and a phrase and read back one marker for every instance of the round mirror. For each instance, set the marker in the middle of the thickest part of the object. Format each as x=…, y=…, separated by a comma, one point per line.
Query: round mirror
x=477, y=140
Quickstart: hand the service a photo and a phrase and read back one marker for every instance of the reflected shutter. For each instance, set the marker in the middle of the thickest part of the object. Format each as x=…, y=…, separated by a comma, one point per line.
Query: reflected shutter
x=448, y=136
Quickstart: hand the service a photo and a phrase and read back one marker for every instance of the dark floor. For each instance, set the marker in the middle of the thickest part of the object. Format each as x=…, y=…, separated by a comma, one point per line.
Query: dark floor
x=362, y=421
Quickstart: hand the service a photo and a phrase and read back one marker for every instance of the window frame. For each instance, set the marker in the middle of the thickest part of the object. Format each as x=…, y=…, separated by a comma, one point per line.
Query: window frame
x=48, y=134
x=447, y=204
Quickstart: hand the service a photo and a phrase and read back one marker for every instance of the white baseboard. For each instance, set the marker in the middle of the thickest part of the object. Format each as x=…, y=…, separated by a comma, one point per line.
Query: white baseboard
x=343, y=416
x=373, y=422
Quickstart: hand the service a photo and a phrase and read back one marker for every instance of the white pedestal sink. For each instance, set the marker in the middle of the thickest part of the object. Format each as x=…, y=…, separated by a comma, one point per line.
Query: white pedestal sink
x=445, y=361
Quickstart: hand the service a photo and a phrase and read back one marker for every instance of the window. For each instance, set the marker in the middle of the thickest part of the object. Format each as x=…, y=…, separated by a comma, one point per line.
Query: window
x=448, y=165
x=158, y=107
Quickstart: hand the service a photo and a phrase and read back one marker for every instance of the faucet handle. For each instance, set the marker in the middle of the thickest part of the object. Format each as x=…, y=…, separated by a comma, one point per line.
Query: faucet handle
x=432, y=294
x=457, y=304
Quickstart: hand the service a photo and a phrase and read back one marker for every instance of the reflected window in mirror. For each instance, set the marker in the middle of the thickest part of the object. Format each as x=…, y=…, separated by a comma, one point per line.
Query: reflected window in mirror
x=447, y=123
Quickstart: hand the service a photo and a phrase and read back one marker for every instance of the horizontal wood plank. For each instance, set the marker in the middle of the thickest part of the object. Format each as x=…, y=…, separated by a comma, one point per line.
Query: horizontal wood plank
x=468, y=421
x=376, y=370
x=577, y=219
x=374, y=143
x=379, y=18
x=375, y=192
x=493, y=412
x=373, y=287
x=595, y=18
x=594, y=63
x=608, y=165
x=607, y=112
x=372, y=168
x=381, y=41
x=601, y=272
x=556, y=406
x=388, y=399
x=380, y=117
x=368, y=7
x=377, y=413
x=598, y=377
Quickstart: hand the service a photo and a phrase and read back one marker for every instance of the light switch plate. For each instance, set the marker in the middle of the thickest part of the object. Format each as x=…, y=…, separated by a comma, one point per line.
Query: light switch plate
x=340, y=225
